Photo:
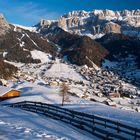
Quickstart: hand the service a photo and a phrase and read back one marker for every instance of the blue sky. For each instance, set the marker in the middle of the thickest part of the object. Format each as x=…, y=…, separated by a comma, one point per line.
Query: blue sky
x=29, y=12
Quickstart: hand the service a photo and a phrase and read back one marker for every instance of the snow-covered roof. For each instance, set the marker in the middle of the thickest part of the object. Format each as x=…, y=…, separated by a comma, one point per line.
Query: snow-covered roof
x=4, y=90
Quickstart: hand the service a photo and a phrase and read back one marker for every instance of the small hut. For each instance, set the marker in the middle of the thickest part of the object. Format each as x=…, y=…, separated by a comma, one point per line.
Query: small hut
x=114, y=95
x=110, y=103
x=6, y=93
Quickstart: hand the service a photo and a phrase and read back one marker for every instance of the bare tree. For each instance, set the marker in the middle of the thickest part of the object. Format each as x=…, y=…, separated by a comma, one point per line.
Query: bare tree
x=64, y=88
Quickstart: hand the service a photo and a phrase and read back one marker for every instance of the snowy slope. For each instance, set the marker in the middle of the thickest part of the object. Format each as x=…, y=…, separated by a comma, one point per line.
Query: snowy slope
x=18, y=124
x=44, y=57
x=31, y=29
x=33, y=92
x=63, y=70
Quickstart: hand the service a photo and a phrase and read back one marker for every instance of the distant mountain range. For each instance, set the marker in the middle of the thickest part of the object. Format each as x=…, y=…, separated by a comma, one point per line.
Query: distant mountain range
x=97, y=22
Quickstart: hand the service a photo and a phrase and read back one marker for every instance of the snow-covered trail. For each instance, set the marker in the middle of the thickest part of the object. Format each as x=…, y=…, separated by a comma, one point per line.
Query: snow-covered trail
x=22, y=125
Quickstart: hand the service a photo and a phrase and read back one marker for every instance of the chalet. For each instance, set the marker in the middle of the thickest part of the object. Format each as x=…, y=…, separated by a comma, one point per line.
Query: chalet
x=54, y=84
x=7, y=93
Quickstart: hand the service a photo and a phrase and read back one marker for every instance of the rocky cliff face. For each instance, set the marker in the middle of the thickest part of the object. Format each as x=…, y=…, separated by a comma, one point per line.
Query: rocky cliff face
x=4, y=26
x=112, y=27
x=6, y=70
x=100, y=22
x=3, y=22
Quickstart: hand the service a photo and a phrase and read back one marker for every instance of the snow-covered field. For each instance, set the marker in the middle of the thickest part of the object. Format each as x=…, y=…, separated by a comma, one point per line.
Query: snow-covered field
x=40, y=55
x=16, y=124
x=59, y=70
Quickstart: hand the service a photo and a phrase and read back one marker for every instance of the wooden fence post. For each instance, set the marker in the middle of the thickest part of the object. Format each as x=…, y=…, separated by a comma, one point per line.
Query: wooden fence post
x=93, y=127
x=105, y=123
x=13, y=105
x=72, y=118
x=135, y=133
x=81, y=123
x=118, y=128
x=41, y=104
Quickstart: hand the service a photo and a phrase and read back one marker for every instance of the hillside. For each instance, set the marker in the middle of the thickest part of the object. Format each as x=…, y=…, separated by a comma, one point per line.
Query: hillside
x=77, y=48
x=7, y=70
x=124, y=54
x=17, y=45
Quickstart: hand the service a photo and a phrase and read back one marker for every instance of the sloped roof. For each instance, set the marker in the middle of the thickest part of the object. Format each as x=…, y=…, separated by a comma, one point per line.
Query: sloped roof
x=4, y=90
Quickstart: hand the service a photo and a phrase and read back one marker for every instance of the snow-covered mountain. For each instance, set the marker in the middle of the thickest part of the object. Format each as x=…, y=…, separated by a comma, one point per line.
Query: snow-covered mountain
x=96, y=23
x=19, y=44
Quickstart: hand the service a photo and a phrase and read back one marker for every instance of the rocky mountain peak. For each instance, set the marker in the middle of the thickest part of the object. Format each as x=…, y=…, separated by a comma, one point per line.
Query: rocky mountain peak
x=45, y=22
x=112, y=27
x=62, y=23
x=3, y=23
x=4, y=26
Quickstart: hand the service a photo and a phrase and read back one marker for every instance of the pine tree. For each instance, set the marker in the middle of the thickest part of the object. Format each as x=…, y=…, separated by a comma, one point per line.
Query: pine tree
x=64, y=88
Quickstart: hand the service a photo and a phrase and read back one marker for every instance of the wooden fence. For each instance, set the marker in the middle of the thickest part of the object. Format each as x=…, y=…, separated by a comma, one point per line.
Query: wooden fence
x=101, y=127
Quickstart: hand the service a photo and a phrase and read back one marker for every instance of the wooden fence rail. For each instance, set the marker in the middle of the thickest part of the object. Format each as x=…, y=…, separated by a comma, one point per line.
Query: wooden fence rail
x=102, y=127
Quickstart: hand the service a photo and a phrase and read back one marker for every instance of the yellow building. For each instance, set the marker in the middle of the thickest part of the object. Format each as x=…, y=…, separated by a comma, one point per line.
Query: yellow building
x=6, y=93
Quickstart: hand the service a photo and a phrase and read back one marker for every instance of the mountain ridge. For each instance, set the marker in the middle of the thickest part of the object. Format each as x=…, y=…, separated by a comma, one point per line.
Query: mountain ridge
x=97, y=22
